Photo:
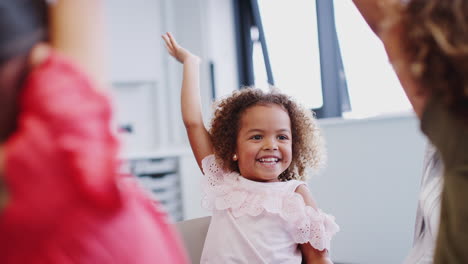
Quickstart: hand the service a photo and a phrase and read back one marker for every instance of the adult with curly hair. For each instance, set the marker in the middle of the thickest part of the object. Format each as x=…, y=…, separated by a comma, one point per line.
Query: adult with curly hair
x=254, y=159
x=427, y=43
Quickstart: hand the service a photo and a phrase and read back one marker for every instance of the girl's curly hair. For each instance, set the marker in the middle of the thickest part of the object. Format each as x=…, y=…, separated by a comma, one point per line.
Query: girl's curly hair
x=307, y=142
x=435, y=33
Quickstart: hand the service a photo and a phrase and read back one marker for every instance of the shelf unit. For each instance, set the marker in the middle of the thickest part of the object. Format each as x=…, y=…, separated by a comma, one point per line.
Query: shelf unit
x=160, y=177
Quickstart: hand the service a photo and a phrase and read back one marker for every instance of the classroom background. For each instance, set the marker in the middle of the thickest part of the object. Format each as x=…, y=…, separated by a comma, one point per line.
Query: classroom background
x=322, y=53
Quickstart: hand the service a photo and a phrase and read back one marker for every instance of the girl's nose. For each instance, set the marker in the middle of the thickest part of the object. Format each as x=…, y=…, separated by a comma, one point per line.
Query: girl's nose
x=270, y=145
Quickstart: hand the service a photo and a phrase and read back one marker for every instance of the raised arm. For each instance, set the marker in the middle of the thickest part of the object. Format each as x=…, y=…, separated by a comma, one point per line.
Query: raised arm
x=190, y=99
x=77, y=30
x=372, y=12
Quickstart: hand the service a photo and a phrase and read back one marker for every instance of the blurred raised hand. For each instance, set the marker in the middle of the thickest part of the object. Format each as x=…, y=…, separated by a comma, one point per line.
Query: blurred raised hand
x=175, y=50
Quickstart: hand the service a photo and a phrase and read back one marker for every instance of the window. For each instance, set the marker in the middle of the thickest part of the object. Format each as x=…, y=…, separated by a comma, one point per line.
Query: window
x=321, y=52
x=280, y=43
x=372, y=84
x=290, y=29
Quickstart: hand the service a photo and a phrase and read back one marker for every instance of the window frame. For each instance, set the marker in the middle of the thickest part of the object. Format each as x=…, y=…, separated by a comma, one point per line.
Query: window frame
x=334, y=87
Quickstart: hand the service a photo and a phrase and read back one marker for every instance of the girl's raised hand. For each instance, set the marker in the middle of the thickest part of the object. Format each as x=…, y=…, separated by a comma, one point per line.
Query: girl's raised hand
x=190, y=99
x=176, y=51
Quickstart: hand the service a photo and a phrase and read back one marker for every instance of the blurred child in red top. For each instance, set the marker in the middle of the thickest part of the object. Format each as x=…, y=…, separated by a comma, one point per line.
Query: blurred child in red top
x=61, y=199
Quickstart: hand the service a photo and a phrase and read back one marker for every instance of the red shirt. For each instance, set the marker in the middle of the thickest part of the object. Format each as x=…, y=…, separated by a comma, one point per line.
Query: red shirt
x=67, y=203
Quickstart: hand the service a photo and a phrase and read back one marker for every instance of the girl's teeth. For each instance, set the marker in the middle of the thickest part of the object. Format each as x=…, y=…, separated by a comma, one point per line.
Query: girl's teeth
x=269, y=160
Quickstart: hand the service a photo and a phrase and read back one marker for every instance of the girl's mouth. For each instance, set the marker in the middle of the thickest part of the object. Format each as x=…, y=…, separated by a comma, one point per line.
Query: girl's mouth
x=268, y=161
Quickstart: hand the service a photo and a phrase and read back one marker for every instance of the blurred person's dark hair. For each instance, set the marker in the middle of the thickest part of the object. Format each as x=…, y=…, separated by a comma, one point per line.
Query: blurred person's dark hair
x=23, y=23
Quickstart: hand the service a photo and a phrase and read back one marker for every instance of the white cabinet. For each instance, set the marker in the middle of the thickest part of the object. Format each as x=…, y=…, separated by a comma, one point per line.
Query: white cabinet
x=171, y=177
x=160, y=178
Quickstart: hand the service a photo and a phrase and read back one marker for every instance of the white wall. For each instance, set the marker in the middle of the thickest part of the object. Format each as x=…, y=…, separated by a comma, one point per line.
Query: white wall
x=134, y=40
x=371, y=186
x=137, y=70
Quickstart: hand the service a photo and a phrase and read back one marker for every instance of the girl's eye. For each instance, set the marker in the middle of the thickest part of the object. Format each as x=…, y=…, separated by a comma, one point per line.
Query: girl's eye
x=256, y=137
x=283, y=137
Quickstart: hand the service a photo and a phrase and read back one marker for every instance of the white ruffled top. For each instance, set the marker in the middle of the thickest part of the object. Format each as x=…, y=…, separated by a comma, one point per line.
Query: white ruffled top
x=258, y=222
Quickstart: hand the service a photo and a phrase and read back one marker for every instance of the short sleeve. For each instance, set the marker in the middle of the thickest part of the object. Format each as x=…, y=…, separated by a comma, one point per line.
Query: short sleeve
x=318, y=229
x=211, y=182
x=308, y=225
x=212, y=171
x=219, y=186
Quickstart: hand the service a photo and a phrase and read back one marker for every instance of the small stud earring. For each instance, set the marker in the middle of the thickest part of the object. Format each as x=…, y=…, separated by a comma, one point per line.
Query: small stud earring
x=234, y=157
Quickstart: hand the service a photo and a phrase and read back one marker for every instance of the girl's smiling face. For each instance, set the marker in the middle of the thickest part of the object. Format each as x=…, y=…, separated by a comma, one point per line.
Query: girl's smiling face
x=264, y=142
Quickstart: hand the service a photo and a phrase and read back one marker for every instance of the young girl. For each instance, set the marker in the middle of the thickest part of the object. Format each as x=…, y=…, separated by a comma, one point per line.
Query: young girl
x=427, y=43
x=61, y=200
x=254, y=159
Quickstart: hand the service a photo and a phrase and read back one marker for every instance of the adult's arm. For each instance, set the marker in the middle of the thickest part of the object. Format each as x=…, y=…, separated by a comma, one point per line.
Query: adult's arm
x=77, y=30
x=372, y=12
